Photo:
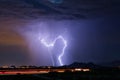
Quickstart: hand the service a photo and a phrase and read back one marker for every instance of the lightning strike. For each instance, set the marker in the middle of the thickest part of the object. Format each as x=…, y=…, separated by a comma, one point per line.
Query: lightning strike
x=48, y=45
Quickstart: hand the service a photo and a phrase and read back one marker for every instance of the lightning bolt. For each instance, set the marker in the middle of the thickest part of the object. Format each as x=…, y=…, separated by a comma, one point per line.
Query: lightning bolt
x=43, y=41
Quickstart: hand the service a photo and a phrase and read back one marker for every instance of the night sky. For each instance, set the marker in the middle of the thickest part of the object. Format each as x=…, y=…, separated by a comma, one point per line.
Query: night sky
x=91, y=28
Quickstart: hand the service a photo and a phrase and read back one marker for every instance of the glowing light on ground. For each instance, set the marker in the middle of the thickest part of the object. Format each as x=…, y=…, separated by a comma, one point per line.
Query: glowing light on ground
x=48, y=45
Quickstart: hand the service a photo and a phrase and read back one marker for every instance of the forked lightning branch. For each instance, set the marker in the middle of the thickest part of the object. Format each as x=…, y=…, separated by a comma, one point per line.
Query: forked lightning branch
x=48, y=45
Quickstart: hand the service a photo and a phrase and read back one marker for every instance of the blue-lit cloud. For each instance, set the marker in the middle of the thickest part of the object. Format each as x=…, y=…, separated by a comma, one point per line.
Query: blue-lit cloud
x=56, y=1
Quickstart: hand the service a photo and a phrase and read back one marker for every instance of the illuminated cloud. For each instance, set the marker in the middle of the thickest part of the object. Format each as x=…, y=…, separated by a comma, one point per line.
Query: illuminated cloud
x=13, y=48
x=8, y=37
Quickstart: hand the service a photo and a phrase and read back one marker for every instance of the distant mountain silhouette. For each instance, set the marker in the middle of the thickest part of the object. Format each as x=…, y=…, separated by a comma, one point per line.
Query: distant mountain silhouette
x=83, y=65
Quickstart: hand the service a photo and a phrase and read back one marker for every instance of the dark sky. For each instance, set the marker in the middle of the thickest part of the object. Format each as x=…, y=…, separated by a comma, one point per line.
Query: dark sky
x=91, y=27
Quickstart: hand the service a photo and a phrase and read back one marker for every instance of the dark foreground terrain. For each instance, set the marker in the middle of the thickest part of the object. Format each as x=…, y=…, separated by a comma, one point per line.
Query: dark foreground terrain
x=93, y=75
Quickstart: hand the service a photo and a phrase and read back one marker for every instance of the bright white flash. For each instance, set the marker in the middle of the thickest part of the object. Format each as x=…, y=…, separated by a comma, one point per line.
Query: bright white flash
x=43, y=41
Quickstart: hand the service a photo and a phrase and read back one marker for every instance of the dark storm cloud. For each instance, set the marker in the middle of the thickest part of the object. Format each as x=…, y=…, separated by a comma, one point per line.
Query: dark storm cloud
x=71, y=9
